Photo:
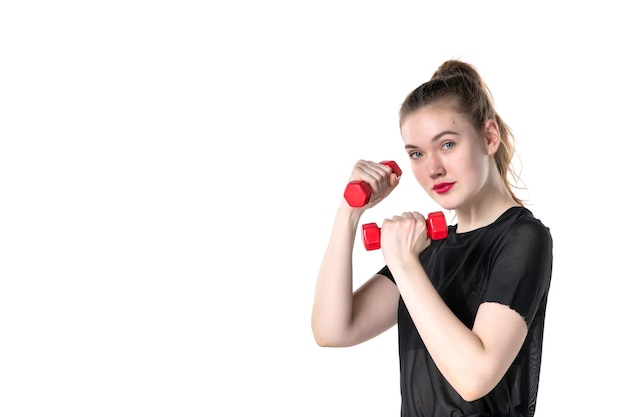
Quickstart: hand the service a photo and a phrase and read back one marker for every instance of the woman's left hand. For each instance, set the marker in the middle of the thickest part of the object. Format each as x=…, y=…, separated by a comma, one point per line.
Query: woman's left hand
x=404, y=236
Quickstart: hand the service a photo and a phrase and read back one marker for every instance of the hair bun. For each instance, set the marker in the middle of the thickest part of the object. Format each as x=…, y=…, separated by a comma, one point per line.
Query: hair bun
x=445, y=71
x=454, y=67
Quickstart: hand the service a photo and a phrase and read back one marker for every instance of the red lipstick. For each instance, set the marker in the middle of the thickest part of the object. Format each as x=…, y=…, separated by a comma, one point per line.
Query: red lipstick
x=443, y=187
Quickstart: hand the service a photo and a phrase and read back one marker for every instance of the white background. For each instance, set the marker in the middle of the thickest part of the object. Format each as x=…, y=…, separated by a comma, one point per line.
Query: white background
x=169, y=173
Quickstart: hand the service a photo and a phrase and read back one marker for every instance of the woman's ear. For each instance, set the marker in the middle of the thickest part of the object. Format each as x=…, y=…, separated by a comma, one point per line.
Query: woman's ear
x=492, y=136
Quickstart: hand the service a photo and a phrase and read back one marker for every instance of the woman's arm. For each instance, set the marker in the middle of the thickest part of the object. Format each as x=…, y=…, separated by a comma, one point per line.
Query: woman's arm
x=473, y=360
x=340, y=317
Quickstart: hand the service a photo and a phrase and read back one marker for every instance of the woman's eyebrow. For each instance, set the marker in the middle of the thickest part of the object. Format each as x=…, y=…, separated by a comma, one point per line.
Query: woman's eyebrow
x=434, y=139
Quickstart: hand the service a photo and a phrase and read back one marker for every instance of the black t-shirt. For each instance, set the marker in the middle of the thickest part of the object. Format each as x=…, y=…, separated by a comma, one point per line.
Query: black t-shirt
x=508, y=262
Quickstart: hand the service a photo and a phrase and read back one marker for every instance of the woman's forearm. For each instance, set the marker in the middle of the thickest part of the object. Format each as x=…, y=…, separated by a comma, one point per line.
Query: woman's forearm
x=333, y=299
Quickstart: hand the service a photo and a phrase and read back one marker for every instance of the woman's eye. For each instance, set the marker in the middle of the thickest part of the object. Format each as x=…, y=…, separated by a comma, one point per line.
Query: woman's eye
x=415, y=155
x=448, y=145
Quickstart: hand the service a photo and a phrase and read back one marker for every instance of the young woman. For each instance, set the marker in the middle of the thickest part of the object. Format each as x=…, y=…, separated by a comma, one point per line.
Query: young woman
x=469, y=308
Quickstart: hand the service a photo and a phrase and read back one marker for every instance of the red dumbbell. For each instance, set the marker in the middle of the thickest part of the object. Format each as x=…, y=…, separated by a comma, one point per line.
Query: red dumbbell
x=358, y=192
x=436, y=229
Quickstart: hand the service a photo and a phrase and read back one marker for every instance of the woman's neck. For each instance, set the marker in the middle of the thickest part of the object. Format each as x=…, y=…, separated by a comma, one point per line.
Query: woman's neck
x=486, y=208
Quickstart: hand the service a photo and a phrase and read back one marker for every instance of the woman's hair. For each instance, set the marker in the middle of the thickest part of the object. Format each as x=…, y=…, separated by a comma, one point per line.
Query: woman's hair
x=458, y=83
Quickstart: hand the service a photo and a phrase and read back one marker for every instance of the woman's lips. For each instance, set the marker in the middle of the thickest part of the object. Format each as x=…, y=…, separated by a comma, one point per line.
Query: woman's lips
x=443, y=187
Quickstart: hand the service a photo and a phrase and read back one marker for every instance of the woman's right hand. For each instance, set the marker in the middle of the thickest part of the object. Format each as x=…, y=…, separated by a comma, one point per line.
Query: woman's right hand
x=379, y=176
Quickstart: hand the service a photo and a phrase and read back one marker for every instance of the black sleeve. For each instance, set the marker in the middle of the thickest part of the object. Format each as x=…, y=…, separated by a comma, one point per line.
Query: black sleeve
x=386, y=272
x=522, y=268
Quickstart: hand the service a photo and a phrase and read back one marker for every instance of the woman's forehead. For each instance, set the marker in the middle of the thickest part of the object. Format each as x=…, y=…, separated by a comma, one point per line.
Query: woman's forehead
x=429, y=121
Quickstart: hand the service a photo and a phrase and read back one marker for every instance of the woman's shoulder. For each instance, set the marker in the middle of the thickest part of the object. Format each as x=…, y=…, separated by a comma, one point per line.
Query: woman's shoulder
x=520, y=215
x=521, y=222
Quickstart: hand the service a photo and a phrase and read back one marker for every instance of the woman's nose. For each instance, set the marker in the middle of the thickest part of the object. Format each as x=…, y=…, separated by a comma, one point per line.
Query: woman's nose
x=435, y=167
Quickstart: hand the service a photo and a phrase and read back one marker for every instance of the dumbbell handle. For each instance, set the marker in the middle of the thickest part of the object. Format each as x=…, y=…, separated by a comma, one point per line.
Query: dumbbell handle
x=358, y=192
x=436, y=229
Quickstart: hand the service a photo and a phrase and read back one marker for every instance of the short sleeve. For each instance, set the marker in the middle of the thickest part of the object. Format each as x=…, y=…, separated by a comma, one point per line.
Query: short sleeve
x=522, y=268
x=387, y=273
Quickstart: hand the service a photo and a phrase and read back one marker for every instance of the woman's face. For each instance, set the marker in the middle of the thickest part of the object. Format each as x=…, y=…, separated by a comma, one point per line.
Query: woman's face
x=449, y=157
